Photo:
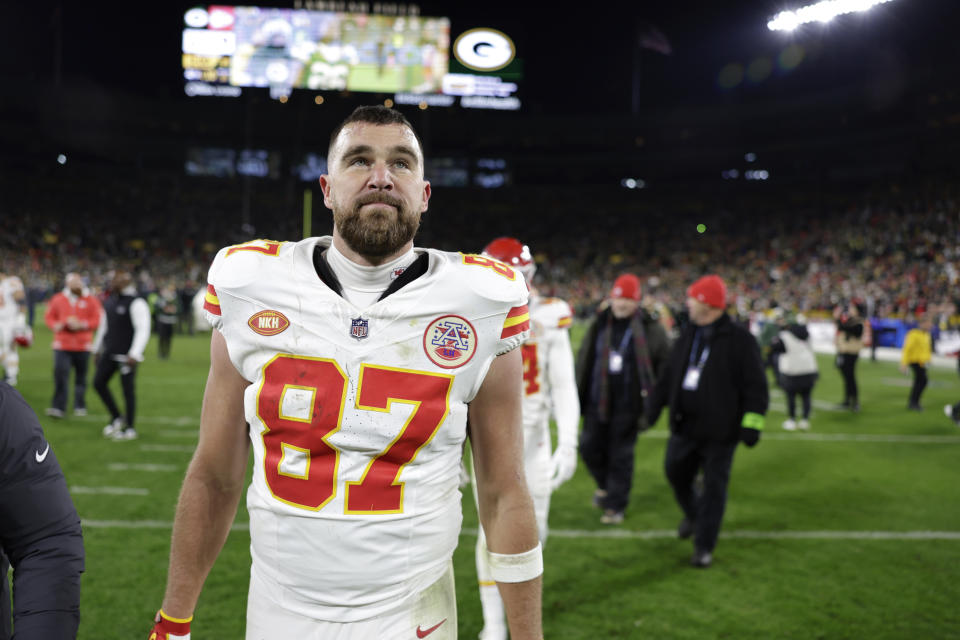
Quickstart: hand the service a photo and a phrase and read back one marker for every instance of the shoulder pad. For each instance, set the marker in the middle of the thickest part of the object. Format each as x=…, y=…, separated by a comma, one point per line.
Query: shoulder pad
x=240, y=264
x=488, y=278
x=553, y=313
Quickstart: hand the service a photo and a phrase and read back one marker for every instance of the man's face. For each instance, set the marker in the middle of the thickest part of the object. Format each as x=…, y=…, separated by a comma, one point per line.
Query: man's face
x=121, y=280
x=623, y=307
x=701, y=314
x=74, y=283
x=375, y=188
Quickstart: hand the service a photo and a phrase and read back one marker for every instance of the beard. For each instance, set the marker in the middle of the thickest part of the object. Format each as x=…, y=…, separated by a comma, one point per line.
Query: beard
x=377, y=233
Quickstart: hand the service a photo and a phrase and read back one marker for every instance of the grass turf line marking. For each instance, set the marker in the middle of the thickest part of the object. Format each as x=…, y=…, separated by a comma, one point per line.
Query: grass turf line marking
x=653, y=534
x=176, y=421
x=650, y=534
x=768, y=434
x=149, y=468
x=178, y=448
x=185, y=433
x=109, y=491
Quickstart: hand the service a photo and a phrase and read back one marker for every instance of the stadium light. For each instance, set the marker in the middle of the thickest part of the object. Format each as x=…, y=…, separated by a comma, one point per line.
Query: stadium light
x=824, y=11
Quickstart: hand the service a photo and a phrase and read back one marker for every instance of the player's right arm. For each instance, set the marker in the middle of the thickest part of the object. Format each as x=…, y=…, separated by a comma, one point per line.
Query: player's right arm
x=213, y=485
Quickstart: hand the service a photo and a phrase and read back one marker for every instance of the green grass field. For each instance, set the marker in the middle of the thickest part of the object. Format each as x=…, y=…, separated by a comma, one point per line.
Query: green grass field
x=850, y=531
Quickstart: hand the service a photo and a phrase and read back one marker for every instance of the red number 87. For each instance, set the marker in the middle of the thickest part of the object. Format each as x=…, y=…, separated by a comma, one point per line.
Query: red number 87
x=305, y=436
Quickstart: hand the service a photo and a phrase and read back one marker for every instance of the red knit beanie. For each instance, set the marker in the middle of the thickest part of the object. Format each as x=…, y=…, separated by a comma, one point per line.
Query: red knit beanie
x=709, y=290
x=626, y=285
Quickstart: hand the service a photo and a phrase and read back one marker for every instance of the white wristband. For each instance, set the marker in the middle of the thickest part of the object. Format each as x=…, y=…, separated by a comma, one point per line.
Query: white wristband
x=516, y=567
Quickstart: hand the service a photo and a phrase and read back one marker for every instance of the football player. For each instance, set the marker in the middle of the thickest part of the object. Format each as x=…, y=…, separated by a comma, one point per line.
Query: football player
x=356, y=360
x=13, y=325
x=549, y=388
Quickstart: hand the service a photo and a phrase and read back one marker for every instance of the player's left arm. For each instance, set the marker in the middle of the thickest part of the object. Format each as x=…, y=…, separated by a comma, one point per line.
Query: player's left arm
x=140, y=317
x=754, y=394
x=506, y=509
x=565, y=404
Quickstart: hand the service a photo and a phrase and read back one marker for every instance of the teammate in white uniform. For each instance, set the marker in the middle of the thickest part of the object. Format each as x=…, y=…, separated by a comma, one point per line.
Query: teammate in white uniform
x=549, y=388
x=356, y=360
x=13, y=325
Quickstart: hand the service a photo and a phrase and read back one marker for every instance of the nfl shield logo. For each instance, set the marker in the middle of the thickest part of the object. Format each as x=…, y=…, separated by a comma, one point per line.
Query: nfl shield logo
x=359, y=328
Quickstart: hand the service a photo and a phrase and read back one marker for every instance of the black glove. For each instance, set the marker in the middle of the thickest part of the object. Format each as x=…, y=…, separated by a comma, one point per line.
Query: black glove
x=749, y=437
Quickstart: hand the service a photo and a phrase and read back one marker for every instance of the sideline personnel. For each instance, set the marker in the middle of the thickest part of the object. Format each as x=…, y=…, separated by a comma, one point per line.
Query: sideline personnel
x=40, y=531
x=716, y=389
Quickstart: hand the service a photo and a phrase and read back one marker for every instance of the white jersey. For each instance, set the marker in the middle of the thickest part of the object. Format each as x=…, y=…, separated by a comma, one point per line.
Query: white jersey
x=10, y=286
x=358, y=417
x=549, y=380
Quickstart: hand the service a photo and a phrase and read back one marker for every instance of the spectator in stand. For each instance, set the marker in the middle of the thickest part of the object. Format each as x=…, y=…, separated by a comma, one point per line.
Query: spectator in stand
x=798, y=370
x=73, y=315
x=849, y=342
x=916, y=354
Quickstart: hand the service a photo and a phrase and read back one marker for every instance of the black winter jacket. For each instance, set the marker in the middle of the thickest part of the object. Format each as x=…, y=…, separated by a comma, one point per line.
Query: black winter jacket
x=732, y=391
x=658, y=348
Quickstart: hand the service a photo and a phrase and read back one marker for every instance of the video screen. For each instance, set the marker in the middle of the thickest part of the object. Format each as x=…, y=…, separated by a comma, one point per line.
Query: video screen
x=318, y=50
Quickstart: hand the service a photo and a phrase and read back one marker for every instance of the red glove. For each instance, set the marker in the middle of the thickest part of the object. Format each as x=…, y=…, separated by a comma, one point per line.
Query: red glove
x=168, y=628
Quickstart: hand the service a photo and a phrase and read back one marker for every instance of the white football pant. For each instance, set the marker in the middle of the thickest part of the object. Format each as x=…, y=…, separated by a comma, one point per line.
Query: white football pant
x=432, y=615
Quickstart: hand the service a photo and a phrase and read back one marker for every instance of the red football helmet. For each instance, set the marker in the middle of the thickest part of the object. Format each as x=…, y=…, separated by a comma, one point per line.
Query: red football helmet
x=514, y=253
x=23, y=337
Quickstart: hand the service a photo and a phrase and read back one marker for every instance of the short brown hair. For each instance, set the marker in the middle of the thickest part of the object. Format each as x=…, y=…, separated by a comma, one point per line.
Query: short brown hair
x=373, y=114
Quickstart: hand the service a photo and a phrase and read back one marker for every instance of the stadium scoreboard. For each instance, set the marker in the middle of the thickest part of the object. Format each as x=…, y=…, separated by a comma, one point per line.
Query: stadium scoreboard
x=228, y=48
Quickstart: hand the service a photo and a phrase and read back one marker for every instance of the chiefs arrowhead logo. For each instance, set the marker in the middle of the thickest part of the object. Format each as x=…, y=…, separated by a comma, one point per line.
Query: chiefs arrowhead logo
x=268, y=323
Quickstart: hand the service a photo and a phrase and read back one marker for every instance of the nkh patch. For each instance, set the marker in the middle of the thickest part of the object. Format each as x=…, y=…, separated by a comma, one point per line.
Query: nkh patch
x=450, y=341
x=359, y=328
x=268, y=323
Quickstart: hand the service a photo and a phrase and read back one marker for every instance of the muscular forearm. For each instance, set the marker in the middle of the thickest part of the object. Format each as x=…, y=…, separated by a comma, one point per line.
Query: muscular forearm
x=512, y=529
x=522, y=604
x=205, y=511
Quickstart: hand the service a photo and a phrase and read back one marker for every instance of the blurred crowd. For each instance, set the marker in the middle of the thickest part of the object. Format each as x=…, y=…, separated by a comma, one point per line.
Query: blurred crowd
x=893, y=248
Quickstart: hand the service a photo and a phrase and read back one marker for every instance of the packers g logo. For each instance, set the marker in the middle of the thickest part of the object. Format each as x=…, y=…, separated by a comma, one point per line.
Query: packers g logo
x=484, y=49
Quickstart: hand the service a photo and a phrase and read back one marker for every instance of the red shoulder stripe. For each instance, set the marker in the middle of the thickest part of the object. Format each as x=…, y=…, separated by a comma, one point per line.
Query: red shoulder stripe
x=211, y=302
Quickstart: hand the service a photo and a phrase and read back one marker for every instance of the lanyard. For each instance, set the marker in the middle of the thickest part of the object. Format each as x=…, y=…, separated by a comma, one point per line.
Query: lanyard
x=693, y=351
x=624, y=341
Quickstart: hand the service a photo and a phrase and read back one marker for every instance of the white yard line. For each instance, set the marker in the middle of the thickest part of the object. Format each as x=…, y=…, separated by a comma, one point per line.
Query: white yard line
x=147, y=467
x=109, y=491
x=175, y=421
x=178, y=448
x=771, y=434
x=651, y=534
x=763, y=535
x=179, y=433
